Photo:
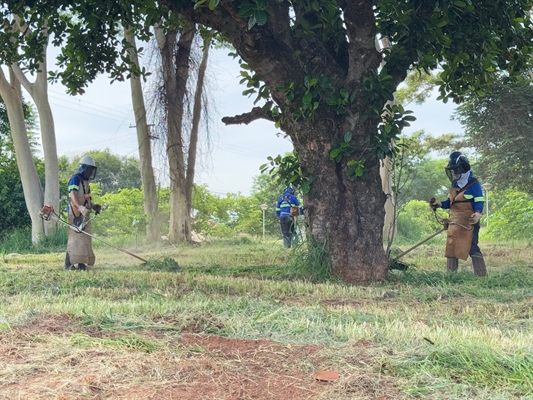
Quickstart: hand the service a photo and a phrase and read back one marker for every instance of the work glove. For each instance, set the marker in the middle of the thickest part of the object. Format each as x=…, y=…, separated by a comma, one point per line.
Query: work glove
x=434, y=204
x=474, y=218
x=78, y=221
x=97, y=208
x=84, y=211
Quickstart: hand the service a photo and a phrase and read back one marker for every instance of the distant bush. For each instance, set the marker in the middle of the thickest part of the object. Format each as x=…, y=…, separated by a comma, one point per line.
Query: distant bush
x=416, y=222
x=19, y=241
x=513, y=219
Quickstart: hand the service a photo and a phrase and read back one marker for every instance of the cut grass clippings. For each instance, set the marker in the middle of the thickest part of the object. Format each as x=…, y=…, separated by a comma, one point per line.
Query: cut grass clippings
x=423, y=332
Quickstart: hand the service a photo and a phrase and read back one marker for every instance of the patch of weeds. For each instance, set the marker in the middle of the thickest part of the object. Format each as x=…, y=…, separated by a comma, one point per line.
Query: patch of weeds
x=130, y=341
x=473, y=364
x=250, y=271
x=310, y=260
x=162, y=264
x=204, y=323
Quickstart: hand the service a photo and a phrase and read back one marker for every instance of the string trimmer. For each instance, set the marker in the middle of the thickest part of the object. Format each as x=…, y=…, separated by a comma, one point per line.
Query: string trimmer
x=396, y=264
x=47, y=213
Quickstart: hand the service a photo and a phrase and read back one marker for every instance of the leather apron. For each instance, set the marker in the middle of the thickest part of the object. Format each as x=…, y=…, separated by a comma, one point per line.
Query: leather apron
x=79, y=245
x=459, y=238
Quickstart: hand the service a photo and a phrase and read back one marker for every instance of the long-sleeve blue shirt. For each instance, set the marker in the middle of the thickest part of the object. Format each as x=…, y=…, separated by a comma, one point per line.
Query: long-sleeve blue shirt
x=474, y=193
x=283, y=207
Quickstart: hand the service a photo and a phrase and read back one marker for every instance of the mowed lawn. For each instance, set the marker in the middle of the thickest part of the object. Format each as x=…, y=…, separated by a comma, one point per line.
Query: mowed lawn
x=244, y=321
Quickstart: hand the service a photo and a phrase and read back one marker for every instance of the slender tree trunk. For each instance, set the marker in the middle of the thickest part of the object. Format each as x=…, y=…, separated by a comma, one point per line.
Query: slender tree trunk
x=197, y=113
x=31, y=185
x=175, y=60
x=39, y=93
x=151, y=209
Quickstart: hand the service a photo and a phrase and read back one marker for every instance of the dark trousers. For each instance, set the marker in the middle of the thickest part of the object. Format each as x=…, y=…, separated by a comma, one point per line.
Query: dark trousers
x=474, y=248
x=287, y=229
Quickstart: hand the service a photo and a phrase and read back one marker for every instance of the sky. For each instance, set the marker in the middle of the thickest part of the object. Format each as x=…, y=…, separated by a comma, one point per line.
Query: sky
x=102, y=118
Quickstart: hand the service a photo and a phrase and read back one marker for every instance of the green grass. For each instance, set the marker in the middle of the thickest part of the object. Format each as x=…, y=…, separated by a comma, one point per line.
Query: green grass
x=447, y=336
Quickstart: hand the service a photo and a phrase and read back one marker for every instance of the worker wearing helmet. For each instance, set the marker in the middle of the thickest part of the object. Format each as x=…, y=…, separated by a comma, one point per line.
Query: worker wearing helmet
x=465, y=203
x=287, y=208
x=79, y=246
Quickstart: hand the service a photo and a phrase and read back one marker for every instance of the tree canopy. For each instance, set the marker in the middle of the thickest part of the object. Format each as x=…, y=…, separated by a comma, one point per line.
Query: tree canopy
x=114, y=172
x=498, y=126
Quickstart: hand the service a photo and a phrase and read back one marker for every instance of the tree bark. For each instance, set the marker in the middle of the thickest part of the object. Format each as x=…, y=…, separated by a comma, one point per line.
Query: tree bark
x=197, y=113
x=175, y=60
x=347, y=214
x=31, y=185
x=151, y=202
x=38, y=91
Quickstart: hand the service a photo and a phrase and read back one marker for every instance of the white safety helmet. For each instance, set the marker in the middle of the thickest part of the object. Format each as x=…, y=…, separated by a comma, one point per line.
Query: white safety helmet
x=87, y=164
x=87, y=160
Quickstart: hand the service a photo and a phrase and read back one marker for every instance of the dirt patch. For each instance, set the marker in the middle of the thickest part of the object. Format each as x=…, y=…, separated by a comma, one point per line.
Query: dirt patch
x=40, y=361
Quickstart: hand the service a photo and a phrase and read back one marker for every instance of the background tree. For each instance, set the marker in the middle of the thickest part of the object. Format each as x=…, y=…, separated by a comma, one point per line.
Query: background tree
x=144, y=140
x=498, y=128
x=114, y=172
x=11, y=93
x=12, y=204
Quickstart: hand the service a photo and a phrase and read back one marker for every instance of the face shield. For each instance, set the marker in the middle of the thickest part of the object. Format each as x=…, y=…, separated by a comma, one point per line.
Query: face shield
x=453, y=174
x=87, y=171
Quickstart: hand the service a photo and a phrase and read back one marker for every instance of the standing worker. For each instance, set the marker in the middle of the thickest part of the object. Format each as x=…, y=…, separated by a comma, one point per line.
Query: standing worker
x=79, y=247
x=465, y=203
x=287, y=208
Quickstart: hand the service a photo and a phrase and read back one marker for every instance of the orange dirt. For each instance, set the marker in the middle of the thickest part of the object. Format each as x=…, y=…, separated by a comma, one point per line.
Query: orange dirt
x=42, y=360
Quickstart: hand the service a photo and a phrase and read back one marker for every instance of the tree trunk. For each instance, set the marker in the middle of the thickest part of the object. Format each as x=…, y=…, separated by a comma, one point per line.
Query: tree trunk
x=151, y=208
x=347, y=214
x=31, y=185
x=197, y=113
x=175, y=72
x=39, y=93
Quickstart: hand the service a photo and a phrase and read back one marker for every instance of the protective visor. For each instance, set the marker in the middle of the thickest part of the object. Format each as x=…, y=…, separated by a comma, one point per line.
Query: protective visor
x=450, y=173
x=91, y=172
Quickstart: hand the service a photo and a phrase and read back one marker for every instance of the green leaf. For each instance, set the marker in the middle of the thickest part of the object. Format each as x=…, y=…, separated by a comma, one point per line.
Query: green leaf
x=347, y=136
x=334, y=152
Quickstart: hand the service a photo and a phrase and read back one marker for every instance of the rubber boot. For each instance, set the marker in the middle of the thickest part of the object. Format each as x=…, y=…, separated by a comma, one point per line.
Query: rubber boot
x=286, y=242
x=478, y=262
x=452, y=264
x=68, y=265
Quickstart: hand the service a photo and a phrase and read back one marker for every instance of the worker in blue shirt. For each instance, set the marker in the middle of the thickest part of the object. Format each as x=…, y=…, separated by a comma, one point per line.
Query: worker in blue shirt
x=79, y=246
x=287, y=208
x=465, y=203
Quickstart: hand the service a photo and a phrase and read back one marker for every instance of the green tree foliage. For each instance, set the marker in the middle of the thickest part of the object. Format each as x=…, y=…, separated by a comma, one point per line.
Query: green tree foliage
x=124, y=215
x=417, y=87
x=513, y=218
x=114, y=172
x=498, y=126
x=416, y=174
x=416, y=222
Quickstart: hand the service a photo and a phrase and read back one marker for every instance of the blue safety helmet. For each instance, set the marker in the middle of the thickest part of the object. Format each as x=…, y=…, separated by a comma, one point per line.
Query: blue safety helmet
x=457, y=164
x=288, y=191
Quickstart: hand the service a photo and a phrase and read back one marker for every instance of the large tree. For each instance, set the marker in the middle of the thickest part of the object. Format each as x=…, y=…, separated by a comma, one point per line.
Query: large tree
x=498, y=126
x=316, y=67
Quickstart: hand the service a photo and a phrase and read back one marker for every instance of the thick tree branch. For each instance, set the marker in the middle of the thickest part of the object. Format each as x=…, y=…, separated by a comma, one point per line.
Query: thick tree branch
x=361, y=30
x=246, y=118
